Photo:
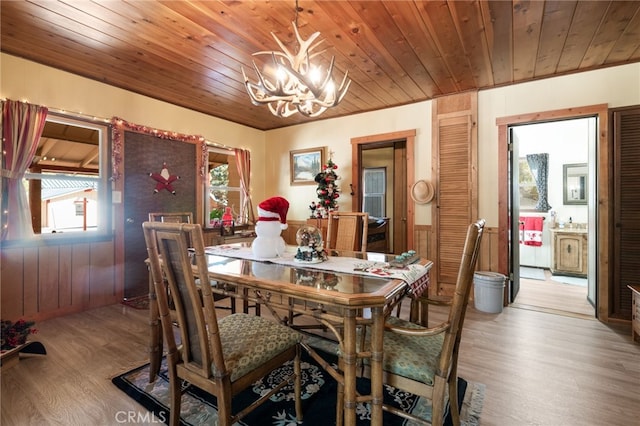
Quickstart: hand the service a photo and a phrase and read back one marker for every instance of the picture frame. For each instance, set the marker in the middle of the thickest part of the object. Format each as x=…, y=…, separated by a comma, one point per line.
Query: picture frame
x=305, y=164
x=575, y=183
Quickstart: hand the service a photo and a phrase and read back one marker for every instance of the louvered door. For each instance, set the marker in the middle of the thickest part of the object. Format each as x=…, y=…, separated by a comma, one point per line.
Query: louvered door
x=454, y=166
x=626, y=209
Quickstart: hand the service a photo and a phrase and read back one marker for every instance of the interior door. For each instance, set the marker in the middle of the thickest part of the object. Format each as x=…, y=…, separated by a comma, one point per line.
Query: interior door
x=144, y=156
x=514, y=211
x=626, y=208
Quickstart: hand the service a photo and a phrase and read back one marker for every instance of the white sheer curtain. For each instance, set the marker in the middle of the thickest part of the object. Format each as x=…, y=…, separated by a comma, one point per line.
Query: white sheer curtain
x=22, y=126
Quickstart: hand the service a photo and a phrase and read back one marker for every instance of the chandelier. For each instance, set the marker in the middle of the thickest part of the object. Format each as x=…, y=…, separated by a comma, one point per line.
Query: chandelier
x=291, y=83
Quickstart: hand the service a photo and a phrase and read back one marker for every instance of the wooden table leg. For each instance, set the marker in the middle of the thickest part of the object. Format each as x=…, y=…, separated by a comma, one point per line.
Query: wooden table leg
x=377, y=348
x=349, y=362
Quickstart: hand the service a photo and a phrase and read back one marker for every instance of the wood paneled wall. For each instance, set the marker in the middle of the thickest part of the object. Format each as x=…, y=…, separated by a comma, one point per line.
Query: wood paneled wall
x=46, y=281
x=40, y=282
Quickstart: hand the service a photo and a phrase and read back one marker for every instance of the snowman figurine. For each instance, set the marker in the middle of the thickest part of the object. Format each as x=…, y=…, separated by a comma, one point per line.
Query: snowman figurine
x=272, y=219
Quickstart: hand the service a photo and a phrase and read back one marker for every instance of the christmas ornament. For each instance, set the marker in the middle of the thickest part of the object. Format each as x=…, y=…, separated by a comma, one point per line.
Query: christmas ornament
x=164, y=180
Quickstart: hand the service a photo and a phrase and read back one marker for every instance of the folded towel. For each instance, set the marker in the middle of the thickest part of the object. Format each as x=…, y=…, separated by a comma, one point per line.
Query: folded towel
x=531, y=230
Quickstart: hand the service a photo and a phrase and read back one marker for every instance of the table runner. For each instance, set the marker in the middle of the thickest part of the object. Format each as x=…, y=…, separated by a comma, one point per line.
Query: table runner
x=415, y=275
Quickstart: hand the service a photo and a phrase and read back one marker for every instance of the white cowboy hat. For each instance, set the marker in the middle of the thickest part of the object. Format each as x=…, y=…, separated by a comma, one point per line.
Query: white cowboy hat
x=422, y=192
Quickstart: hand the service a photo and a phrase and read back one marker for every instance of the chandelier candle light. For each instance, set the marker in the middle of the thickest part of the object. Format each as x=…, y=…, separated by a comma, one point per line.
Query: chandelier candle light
x=293, y=84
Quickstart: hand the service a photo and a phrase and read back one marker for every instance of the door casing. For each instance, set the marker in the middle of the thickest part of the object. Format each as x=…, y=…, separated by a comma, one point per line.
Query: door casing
x=404, y=212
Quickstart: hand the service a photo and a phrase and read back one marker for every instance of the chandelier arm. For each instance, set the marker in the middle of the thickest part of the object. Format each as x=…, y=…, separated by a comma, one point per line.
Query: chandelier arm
x=292, y=89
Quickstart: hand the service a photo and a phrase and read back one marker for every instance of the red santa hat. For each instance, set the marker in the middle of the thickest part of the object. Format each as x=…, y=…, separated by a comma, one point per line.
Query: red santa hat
x=272, y=209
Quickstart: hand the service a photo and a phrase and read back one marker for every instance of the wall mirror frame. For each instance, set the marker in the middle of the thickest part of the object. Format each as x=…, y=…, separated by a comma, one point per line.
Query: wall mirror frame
x=575, y=181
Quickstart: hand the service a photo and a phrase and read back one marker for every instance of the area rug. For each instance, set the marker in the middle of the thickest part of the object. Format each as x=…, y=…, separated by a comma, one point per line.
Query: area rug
x=532, y=273
x=319, y=399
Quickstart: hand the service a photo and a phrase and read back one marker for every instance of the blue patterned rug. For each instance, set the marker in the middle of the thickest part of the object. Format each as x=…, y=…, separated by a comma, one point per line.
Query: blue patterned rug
x=319, y=394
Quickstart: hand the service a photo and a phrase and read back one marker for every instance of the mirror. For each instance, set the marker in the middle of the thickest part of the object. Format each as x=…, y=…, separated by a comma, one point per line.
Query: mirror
x=575, y=183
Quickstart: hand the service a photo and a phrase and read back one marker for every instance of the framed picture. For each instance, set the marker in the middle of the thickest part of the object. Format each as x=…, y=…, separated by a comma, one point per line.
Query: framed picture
x=305, y=165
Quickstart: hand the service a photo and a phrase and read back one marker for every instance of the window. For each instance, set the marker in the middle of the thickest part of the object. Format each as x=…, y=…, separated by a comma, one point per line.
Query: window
x=224, y=186
x=534, y=171
x=67, y=182
x=528, y=188
x=373, y=201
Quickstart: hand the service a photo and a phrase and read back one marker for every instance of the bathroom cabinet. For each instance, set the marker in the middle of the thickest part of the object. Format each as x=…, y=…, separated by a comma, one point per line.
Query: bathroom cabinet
x=569, y=252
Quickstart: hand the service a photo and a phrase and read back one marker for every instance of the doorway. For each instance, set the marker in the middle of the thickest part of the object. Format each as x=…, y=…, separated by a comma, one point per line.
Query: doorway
x=396, y=150
x=551, y=210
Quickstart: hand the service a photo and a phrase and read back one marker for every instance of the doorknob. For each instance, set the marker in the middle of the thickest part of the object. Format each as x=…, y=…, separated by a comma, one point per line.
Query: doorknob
x=130, y=220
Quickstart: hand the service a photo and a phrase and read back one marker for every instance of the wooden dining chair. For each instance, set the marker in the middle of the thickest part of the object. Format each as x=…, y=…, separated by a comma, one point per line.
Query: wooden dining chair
x=220, y=356
x=424, y=361
x=347, y=231
x=187, y=217
x=172, y=217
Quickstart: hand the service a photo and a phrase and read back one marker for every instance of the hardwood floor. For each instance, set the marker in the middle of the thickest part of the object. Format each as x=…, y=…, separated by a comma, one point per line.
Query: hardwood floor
x=554, y=297
x=538, y=368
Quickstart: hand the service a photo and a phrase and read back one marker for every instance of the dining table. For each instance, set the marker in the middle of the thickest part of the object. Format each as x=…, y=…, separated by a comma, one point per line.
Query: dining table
x=344, y=292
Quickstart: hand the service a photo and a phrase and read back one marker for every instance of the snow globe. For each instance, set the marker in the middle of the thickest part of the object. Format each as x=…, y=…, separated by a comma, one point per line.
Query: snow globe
x=310, y=250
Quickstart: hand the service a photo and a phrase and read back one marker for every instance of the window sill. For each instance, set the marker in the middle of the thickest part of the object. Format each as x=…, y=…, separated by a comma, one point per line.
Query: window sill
x=44, y=240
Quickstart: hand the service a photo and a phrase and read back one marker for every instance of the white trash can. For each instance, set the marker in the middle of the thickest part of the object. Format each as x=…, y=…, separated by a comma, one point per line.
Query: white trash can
x=488, y=291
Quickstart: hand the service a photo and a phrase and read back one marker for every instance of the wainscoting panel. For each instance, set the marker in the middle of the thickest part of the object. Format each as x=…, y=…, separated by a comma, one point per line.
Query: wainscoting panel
x=53, y=280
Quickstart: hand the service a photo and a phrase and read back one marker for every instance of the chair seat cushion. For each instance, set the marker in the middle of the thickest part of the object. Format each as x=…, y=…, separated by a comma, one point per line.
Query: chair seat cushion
x=413, y=357
x=248, y=342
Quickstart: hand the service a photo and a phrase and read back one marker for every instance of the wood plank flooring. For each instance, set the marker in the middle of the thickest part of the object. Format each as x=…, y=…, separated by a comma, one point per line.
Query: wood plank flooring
x=554, y=297
x=538, y=368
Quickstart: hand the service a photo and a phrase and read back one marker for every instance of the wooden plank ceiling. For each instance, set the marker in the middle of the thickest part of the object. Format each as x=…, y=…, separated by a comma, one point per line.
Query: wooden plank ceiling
x=190, y=53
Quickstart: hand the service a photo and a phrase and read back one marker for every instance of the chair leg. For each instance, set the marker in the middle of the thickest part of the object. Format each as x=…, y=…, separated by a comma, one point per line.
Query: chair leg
x=224, y=406
x=453, y=399
x=437, y=401
x=175, y=395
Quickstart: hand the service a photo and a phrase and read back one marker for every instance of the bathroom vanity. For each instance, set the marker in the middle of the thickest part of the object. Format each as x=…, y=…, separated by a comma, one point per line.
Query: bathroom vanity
x=569, y=251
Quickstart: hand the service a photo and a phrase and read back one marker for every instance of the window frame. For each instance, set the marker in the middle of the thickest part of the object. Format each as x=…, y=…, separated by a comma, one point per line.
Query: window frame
x=208, y=189
x=104, y=225
x=382, y=196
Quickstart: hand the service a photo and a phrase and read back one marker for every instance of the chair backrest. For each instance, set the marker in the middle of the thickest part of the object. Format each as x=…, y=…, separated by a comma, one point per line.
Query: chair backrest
x=347, y=231
x=170, y=260
x=449, y=355
x=171, y=217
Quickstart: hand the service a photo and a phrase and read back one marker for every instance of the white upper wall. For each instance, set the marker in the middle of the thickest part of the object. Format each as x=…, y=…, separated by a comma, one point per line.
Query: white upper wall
x=336, y=135
x=28, y=81
x=616, y=86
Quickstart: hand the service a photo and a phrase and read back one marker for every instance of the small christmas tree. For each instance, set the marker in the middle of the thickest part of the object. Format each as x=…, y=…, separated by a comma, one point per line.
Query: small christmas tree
x=328, y=191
